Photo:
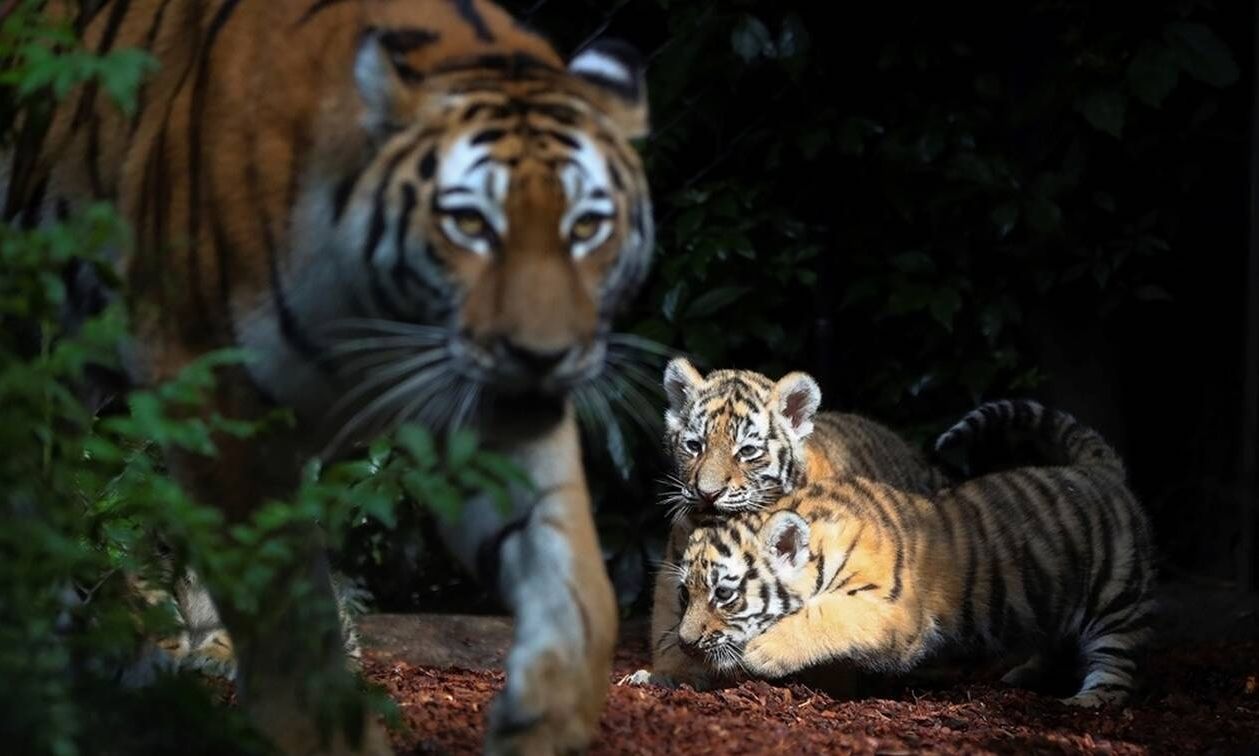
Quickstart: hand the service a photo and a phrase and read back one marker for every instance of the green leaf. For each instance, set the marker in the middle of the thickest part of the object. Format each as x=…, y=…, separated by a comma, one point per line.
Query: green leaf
x=1005, y=216
x=1202, y=54
x=1152, y=293
x=460, y=448
x=504, y=469
x=1153, y=73
x=914, y=262
x=673, y=298
x=714, y=300
x=793, y=40
x=812, y=141
x=419, y=444
x=944, y=307
x=1044, y=215
x=751, y=39
x=988, y=86
x=1104, y=110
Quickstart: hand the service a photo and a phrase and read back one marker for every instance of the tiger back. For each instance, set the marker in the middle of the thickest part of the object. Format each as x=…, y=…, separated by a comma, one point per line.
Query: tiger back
x=1042, y=561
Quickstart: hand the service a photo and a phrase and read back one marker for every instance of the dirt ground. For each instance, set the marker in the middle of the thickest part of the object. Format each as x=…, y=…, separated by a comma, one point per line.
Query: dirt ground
x=1202, y=699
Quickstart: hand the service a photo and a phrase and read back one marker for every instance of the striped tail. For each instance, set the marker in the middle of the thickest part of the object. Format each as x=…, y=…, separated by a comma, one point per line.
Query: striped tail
x=1057, y=437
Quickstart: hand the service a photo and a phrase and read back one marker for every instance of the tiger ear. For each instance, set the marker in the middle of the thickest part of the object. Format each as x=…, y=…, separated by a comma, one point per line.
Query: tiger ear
x=797, y=397
x=380, y=73
x=785, y=538
x=681, y=382
x=617, y=75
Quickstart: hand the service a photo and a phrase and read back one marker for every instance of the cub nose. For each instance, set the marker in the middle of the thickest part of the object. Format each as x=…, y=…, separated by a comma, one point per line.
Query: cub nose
x=709, y=498
x=690, y=647
x=539, y=362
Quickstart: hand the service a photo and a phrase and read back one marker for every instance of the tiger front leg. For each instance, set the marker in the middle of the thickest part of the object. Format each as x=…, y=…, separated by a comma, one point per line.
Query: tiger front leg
x=545, y=559
x=827, y=629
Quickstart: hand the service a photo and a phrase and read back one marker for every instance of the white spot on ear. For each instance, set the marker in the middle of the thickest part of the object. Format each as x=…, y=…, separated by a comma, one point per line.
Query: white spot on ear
x=797, y=397
x=376, y=81
x=598, y=64
x=786, y=538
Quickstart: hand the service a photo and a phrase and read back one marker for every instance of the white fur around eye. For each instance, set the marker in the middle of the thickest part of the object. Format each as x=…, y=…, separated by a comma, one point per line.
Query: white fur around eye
x=583, y=248
x=451, y=229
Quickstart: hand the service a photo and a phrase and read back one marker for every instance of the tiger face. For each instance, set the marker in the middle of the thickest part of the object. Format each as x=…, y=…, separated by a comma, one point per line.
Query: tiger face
x=736, y=437
x=495, y=219
x=736, y=579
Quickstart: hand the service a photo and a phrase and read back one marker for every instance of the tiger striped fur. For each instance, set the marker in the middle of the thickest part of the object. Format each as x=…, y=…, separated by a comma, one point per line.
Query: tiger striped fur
x=1034, y=560
x=740, y=441
x=403, y=210
x=1057, y=438
x=202, y=644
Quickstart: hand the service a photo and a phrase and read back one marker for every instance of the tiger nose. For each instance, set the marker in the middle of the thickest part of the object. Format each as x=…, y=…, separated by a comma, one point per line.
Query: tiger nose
x=537, y=361
x=709, y=498
x=690, y=647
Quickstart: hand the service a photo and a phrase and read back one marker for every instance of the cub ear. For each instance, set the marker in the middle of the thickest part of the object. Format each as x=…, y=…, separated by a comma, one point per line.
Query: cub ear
x=616, y=74
x=681, y=382
x=785, y=538
x=797, y=397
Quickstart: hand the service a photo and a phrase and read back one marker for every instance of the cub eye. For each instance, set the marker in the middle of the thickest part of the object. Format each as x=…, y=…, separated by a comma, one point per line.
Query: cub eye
x=749, y=452
x=723, y=593
x=471, y=223
x=585, y=227
x=694, y=446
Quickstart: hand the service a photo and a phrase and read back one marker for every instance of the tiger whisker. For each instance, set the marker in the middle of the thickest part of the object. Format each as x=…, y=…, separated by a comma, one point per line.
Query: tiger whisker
x=412, y=384
x=433, y=334
x=385, y=376
x=638, y=407
x=372, y=343
x=641, y=343
x=636, y=373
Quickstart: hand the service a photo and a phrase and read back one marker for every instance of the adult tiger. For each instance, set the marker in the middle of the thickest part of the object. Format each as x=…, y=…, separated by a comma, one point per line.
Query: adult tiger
x=433, y=170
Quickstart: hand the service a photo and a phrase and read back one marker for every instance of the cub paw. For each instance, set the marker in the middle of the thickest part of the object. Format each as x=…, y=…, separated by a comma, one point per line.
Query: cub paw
x=760, y=660
x=644, y=677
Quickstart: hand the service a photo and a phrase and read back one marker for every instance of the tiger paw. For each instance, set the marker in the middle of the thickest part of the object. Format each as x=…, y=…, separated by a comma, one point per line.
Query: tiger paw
x=1095, y=698
x=761, y=659
x=644, y=677
x=548, y=706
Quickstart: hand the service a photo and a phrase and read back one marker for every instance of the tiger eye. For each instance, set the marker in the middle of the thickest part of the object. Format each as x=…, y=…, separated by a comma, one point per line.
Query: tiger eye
x=585, y=228
x=470, y=224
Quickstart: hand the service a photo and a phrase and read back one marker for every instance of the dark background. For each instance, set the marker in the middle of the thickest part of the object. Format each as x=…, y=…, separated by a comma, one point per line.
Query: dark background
x=927, y=206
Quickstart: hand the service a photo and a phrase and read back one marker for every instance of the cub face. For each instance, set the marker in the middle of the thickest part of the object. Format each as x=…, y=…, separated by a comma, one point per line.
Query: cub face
x=736, y=438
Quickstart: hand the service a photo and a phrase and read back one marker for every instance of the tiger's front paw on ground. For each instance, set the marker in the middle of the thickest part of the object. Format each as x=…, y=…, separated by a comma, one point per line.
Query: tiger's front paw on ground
x=1094, y=699
x=549, y=707
x=645, y=677
x=761, y=660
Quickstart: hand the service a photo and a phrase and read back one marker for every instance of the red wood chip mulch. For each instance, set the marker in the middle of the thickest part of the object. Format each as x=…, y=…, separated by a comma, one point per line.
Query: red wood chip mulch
x=1198, y=702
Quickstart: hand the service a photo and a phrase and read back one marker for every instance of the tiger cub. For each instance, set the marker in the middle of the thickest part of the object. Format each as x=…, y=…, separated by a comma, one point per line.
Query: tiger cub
x=739, y=442
x=1035, y=560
